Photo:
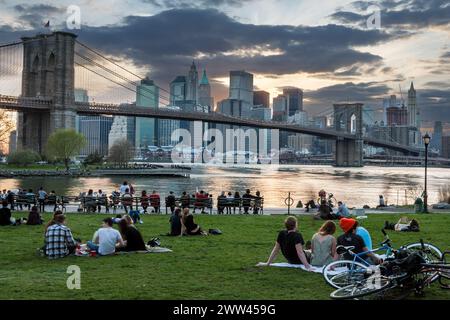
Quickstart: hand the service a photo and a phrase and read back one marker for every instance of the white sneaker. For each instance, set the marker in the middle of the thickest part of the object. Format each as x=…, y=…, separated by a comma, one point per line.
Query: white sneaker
x=141, y=222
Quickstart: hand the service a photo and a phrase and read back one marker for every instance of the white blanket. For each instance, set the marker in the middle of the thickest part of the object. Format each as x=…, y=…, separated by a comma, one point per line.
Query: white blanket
x=297, y=266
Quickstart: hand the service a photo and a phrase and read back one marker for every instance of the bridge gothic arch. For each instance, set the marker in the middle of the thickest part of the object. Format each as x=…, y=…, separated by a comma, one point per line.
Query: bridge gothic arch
x=348, y=119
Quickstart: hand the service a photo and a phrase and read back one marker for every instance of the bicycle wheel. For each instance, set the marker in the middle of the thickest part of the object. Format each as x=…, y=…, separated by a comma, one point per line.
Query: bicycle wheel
x=342, y=273
x=431, y=253
x=362, y=288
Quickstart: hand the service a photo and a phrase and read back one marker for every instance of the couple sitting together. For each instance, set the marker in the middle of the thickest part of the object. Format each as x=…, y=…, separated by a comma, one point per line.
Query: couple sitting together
x=323, y=244
x=182, y=223
x=108, y=240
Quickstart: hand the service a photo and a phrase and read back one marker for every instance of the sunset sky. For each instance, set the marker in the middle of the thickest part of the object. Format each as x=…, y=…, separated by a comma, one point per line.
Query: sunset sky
x=323, y=47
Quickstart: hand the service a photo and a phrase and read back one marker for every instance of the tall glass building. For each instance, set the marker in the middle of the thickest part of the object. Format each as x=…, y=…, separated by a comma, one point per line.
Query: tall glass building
x=147, y=95
x=96, y=130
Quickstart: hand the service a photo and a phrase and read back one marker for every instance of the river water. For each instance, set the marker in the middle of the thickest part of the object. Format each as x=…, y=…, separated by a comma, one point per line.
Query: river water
x=354, y=186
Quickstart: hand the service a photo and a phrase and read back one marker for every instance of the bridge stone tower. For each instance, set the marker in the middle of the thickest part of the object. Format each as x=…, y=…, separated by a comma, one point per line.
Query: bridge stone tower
x=48, y=73
x=348, y=118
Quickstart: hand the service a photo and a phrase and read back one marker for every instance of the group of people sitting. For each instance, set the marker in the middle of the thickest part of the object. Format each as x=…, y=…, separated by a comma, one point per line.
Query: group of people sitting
x=6, y=218
x=321, y=250
x=231, y=201
x=59, y=240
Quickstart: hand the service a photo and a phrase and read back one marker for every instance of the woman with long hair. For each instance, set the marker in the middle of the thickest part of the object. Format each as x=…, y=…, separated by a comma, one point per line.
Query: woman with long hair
x=188, y=226
x=131, y=236
x=323, y=245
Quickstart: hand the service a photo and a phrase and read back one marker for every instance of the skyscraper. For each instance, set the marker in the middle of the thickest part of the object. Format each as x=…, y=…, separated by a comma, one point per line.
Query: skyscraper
x=413, y=111
x=436, y=140
x=147, y=95
x=241, y=86
x=204, y=92
x=96, y=130
x=261, y=98
x=280, y=108
x=178, y=90
x=294, y=98
x=192, y=83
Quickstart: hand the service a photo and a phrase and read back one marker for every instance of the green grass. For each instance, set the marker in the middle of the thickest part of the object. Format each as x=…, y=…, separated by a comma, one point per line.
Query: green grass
x=212, y=267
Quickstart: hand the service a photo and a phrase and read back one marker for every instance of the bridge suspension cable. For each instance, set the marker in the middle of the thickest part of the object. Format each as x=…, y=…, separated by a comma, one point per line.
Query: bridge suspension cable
x=126, y=70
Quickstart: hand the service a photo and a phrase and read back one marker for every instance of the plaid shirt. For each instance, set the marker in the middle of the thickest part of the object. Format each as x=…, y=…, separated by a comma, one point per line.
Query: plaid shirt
x=57, y=240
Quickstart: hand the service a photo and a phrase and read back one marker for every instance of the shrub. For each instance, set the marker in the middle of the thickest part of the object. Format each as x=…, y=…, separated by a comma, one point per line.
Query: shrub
x=23, y=157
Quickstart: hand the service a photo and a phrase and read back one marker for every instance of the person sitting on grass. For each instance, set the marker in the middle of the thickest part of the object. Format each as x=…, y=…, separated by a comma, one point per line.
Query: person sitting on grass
x=175, y=223
x=34, y=217
x=59, y=241
x=291, y=243
x=105, y=239
x=342, y=211
x=325, y=212
x=323, y=245
x=53, y=219
x=131, y=236
x=5, y=214
x=188, y=226
x=350, y=238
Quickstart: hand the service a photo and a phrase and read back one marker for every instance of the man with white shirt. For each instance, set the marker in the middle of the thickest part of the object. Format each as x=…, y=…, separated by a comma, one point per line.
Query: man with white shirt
x=124, y=187
x=105, y=239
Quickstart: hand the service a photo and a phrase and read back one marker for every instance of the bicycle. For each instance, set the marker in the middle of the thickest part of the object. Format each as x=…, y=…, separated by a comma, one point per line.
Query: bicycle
x=342, y=273
x=410, y=273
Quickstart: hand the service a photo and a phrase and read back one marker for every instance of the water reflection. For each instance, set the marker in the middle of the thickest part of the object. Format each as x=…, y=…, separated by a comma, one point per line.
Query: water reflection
x=355, y=186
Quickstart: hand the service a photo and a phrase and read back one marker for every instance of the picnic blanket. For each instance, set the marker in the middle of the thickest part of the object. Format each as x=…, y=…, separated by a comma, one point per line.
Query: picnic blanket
x=313, y=269
x=297, y=266
x=84, y=251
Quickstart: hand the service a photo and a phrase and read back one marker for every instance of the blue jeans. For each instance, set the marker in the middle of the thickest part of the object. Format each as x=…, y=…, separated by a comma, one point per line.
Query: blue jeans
x=92, y=246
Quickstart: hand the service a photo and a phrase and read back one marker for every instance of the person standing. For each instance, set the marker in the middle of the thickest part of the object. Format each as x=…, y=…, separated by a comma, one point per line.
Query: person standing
x=171, y=201
x=42, y=195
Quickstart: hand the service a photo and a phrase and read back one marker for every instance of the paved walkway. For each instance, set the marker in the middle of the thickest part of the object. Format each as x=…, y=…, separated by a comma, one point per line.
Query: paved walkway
x=277, y=211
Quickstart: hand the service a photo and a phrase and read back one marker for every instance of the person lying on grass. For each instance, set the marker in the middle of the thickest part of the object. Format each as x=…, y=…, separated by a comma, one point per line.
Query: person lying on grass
x=291, y=243
x=105, y=239
x=188, y=226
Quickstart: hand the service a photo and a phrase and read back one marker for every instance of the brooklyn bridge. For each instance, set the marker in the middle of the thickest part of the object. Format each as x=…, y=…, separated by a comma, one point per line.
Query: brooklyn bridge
x=46, y=103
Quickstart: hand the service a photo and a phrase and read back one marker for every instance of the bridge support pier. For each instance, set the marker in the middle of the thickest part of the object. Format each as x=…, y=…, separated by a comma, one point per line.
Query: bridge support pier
x=48, y=73
x=349, y=153
x=348, y=118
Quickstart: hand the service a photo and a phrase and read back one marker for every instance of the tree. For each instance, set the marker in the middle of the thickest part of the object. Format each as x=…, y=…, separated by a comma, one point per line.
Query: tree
x=121, y=152
x=64, y=144
x=6, y=126
x=23, y=157
x=93, y=158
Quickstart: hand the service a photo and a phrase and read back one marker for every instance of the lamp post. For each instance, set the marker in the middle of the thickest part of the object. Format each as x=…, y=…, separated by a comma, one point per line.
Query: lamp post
x=426, y=142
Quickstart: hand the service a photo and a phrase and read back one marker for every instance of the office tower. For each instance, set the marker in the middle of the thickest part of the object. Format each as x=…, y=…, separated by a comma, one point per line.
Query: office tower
x=204, y=92
x=279, y=108
x=178, y=90
x=294, y=98
x=241, y=86
x=397, y=116
x=147, y=95
x=122, y=128
x=261, y=98
x=436, y=139
x=445, y=142
x=192, y=83
x=96, y=130
x=413, y=111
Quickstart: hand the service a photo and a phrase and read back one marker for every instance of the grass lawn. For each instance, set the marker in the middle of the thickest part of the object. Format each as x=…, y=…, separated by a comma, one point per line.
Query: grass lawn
x=212, y=267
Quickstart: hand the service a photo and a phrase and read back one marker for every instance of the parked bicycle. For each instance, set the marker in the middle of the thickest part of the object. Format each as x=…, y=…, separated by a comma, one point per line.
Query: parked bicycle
x=411, y=273
x=342, y=273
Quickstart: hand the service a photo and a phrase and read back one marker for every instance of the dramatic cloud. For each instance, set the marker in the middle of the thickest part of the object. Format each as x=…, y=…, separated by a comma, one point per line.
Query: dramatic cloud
x=367, y=93
x=168, y=41
x=170, y=4
x=405, y=14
